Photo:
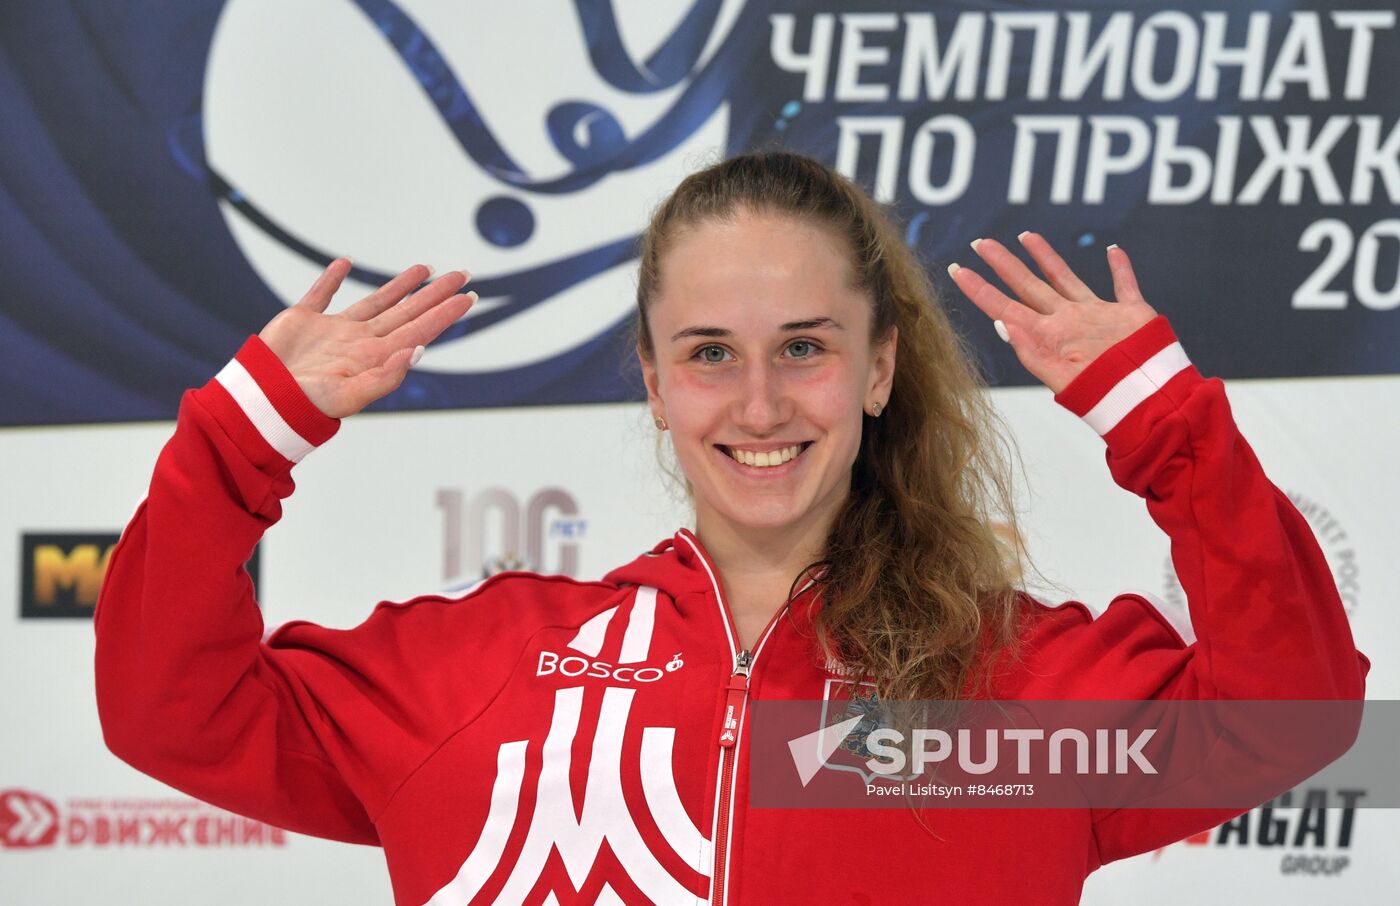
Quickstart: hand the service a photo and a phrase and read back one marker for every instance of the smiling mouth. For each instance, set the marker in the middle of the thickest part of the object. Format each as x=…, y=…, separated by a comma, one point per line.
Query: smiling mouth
x=767, y=459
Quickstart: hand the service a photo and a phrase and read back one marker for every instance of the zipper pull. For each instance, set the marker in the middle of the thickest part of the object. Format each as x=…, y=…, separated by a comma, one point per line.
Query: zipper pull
x=735, y=691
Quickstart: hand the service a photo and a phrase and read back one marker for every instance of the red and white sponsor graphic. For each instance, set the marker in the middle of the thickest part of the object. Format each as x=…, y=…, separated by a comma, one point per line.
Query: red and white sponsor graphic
x=29, y=820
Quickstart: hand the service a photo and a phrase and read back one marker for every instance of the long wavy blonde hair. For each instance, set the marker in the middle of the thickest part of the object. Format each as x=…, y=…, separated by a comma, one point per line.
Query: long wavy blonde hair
x=917, y=587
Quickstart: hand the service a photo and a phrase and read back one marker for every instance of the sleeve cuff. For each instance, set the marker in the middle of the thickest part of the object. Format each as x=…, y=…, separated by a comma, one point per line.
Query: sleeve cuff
x=1132, y=383
x=261, y=406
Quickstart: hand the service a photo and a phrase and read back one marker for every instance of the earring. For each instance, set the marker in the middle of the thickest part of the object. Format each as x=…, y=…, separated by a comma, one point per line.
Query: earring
x=876, y=407
x=661, y=423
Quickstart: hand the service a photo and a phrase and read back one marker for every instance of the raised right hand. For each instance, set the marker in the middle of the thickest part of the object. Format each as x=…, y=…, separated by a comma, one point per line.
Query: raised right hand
x=344, y=362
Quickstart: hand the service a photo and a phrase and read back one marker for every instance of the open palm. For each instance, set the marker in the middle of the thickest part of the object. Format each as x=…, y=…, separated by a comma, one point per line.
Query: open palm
x=1056, y=328
x=344, y=362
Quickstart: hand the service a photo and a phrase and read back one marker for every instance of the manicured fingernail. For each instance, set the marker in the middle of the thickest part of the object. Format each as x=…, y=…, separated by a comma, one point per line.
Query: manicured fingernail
x=418, y=354
x=953, y=268
x=973, y=243
x=1023, y=234
x=1114, y=246
x=431, y=270
x=1001, y=331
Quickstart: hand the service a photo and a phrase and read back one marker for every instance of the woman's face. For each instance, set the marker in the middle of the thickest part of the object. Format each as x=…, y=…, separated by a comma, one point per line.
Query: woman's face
x=762, y=346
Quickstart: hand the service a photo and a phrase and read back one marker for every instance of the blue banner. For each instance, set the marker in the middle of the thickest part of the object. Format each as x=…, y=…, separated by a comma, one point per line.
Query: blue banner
x=172, y=175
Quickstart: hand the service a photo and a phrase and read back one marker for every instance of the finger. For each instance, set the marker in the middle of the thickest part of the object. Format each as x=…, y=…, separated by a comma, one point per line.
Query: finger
x=1065, y=281
x=994, y=303
x=425, y=328
x=1048, y=371
x=425, y=299
x=383, y=379
x=389, y=294
x=318, y=297
x=1125, y=285
x=1032, y=290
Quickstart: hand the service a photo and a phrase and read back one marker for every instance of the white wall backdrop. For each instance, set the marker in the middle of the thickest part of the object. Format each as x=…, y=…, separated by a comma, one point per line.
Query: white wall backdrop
x=365, y=525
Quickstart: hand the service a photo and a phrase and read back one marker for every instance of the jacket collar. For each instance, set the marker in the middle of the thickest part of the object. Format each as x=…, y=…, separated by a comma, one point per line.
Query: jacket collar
x=679, y=565
x=673, y=566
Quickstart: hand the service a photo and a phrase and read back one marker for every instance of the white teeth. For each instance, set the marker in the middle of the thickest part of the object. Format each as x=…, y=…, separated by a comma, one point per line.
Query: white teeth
x=766, y=459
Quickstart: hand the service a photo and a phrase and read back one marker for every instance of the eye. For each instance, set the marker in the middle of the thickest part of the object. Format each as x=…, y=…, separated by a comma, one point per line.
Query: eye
x=804, y=349
x=704, y=354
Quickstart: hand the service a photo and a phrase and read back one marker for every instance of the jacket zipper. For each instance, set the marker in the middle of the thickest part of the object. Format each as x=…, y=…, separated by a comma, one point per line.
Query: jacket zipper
x=736, y=692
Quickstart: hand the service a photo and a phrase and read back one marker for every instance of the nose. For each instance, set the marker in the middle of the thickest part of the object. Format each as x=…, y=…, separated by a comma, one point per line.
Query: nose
x=763, y=403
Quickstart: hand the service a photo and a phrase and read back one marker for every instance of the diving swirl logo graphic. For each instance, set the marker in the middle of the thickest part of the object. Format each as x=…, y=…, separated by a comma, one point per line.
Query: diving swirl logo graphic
x=528, y=148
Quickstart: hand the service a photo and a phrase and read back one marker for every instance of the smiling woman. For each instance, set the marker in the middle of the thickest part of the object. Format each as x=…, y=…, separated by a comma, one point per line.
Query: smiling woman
x=790, y=314
x=542, y=739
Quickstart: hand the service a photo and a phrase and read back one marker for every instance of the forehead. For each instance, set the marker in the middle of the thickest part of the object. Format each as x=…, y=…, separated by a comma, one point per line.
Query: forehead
x=756, y=270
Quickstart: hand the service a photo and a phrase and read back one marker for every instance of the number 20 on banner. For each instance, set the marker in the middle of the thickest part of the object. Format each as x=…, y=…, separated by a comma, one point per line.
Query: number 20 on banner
x=1365, y=256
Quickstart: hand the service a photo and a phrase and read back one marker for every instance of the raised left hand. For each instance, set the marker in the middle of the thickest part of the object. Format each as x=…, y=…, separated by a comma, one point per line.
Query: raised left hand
x=1056, y=328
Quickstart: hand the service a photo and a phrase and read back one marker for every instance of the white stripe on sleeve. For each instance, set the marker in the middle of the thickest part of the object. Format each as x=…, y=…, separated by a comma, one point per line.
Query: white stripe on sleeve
x=1135, y=387
x=260, y=411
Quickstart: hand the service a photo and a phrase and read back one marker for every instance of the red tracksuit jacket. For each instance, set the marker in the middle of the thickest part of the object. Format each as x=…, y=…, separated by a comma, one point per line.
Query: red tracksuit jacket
x=539, y=739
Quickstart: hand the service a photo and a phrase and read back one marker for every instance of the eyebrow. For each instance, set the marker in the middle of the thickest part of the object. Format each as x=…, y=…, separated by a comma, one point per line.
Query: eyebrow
x=809, y=324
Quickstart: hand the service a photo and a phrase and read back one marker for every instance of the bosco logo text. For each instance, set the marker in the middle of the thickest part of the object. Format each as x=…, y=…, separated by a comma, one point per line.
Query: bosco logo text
x=573, y=665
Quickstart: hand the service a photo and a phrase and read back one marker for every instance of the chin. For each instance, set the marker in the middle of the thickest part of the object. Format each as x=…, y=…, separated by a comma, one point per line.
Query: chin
x=763, y=517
